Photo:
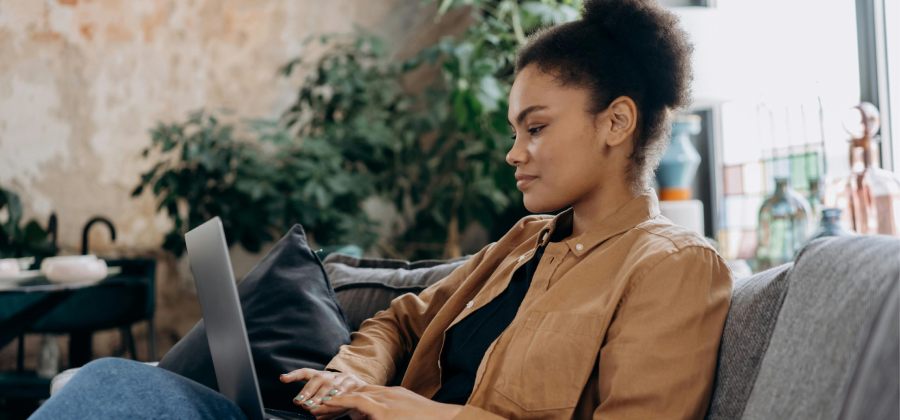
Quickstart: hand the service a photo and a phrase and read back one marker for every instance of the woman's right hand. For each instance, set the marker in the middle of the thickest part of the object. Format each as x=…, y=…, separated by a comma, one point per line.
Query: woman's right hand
x=322, y=384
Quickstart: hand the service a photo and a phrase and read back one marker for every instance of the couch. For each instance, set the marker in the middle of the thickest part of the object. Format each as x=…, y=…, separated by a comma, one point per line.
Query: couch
x=818, y=338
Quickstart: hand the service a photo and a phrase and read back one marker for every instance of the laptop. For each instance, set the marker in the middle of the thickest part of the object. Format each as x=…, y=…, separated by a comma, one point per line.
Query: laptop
x=224, y=319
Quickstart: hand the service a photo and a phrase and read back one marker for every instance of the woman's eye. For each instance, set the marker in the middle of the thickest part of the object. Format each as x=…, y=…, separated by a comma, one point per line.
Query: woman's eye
x=533, y=131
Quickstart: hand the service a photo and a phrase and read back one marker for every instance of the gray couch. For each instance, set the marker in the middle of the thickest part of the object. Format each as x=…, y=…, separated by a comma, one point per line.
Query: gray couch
x=815, y=339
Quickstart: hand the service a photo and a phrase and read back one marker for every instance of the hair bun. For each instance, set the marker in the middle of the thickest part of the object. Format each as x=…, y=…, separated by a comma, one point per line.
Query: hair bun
x=653, y=38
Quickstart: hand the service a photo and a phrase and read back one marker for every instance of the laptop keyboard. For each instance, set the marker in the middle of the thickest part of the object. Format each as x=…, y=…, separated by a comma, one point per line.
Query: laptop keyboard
x=287, y=415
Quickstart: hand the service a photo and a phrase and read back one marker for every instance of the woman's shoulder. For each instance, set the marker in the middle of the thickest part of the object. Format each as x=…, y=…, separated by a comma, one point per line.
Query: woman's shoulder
x=666, y=237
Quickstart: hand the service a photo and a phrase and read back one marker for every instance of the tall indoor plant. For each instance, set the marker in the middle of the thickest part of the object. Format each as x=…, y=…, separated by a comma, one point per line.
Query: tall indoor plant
x=438, y=154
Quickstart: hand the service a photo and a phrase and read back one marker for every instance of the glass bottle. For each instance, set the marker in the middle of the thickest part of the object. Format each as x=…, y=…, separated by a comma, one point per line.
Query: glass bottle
x=784, y=225
x=831, y=225
x=815, y=199
x=869, y=196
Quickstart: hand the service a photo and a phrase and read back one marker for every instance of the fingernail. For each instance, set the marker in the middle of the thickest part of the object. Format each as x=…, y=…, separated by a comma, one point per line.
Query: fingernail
x=299, y=398
x=326, y=398
x=313, y=407
x=332, y=392
x=308, y=403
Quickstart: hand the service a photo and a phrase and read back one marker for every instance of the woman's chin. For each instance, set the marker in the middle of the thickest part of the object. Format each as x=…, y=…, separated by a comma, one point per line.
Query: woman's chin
x=536, y=204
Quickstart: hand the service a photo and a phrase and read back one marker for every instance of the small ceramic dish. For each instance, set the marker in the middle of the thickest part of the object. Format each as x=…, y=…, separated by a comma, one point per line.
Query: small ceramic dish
x=74, y=269
x=9, y=267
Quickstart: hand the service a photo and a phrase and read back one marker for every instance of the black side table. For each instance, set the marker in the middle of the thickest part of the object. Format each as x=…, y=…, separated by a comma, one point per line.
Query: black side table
x=38, y=306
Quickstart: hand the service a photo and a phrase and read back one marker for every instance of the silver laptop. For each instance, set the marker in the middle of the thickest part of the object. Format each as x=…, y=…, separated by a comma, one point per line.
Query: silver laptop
x=224, y=319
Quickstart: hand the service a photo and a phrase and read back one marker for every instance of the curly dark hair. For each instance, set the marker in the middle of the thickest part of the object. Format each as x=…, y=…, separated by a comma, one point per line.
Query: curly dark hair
x=632, y=48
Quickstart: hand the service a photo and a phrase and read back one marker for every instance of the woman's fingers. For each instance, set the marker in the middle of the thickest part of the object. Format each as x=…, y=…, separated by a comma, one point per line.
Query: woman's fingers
x=352, y=400
x=321, y=386
x=326, y=389
x=314, y=382
x=342, y=384
x=298, y=375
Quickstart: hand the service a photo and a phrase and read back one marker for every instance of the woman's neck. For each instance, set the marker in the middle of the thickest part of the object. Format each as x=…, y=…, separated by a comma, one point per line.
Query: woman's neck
x=596, y=206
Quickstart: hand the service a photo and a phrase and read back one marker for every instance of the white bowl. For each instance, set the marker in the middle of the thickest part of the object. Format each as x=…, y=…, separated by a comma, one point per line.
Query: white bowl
x=47, y=262
x=9, y=267
x=74, y=269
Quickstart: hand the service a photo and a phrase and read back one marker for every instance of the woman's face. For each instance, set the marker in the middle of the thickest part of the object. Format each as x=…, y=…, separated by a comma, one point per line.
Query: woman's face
x=562, y=154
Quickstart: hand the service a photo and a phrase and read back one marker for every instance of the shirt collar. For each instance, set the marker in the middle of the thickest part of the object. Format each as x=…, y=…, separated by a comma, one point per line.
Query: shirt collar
x=633, y=213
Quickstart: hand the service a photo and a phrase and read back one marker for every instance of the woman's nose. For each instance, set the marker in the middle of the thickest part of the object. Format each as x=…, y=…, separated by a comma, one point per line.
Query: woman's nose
x=517, y=155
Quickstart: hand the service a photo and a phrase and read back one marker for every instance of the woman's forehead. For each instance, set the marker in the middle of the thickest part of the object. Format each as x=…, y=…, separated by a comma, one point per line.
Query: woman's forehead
x=533, y=88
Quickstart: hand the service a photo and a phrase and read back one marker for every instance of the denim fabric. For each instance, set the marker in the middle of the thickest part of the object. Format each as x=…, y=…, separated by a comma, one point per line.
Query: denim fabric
x=112, y=388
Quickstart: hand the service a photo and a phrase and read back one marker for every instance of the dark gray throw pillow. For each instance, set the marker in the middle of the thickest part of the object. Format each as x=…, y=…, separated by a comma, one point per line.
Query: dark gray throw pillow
x=293, y=320
x=365, y=286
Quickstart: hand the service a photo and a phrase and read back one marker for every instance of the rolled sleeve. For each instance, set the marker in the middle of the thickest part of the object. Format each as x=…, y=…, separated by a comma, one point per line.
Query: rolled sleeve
x=392, y=334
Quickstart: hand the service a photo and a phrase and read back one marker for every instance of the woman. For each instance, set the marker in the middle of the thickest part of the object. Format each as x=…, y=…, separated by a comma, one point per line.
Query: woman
x=623, y=314
x=606, y=310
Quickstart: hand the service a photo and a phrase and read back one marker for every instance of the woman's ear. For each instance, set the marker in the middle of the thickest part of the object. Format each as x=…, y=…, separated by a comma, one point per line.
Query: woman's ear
x=621, y=116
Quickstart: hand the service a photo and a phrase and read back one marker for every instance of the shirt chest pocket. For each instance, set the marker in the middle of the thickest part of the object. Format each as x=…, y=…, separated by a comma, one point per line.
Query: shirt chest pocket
x=549, y=360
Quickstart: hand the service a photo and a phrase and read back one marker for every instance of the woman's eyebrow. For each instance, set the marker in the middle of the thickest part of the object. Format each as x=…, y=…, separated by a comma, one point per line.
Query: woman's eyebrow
x=525, y=113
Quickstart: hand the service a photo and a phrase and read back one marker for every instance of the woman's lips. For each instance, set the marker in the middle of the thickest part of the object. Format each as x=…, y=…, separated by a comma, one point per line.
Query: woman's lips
x=524, y=180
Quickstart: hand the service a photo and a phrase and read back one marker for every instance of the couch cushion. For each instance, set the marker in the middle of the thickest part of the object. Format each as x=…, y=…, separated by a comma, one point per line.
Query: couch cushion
x=755, y=303
x=836, y=288
x=365, y=286
x=875, y=389
x=292, y=317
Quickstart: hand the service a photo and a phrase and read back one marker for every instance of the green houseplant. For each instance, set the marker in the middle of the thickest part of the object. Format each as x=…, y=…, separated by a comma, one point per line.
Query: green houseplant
x=437, y=155
x=258, y=188
x=18, y=241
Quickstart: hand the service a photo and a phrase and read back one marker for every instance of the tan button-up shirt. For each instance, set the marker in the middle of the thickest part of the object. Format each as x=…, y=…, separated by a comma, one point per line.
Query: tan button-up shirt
x=621, y=322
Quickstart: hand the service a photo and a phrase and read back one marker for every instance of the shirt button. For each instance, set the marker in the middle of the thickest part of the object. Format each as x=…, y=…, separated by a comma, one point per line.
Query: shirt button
x=579, y=247
x=469, y=305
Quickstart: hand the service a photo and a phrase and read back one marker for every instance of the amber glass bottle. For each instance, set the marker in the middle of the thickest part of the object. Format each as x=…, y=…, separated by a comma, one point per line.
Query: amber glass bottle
x=869, y=196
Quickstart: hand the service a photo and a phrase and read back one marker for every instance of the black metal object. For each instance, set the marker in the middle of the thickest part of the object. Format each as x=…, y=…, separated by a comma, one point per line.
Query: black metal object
x=707, y=185
x=52, y=228
x=87, y=228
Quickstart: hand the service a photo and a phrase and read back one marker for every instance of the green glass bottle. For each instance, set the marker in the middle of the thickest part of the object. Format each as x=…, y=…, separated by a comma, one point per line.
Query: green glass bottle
x=784, y=224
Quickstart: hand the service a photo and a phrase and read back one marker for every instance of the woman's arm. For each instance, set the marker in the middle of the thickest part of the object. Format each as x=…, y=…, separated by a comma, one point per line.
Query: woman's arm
x=659, y=355
x=387, y=338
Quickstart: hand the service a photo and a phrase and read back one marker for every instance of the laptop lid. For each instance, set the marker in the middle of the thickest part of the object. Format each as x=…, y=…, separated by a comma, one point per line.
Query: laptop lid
x=224, y=319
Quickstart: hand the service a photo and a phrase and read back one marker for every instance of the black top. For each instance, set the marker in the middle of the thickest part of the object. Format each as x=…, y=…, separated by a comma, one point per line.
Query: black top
x=467, y=341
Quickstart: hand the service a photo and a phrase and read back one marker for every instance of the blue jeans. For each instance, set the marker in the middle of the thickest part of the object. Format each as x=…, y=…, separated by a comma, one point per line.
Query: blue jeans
x=112, y=388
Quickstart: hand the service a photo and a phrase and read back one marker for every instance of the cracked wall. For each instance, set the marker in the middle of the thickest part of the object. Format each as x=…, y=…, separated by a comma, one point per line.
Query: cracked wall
x=82, y=81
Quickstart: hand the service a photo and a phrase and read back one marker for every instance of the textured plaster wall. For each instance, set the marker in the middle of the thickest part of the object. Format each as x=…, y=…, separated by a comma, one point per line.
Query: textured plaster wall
x=81, y=82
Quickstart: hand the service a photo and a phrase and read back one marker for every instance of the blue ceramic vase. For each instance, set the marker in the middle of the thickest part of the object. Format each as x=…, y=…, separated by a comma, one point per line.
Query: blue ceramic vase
x=679, y=165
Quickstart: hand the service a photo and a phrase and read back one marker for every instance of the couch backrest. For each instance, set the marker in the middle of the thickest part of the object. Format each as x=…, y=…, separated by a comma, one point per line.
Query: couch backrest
x=364, y=286
x=874, y=392
x=755, y=304
x=836, y=288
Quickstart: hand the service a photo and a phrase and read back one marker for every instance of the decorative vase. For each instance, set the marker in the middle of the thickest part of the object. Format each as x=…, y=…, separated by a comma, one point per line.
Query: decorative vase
x=784, y=225
x=831, y=225
x=815, y=199
x=869, y=196
x=679, y=165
